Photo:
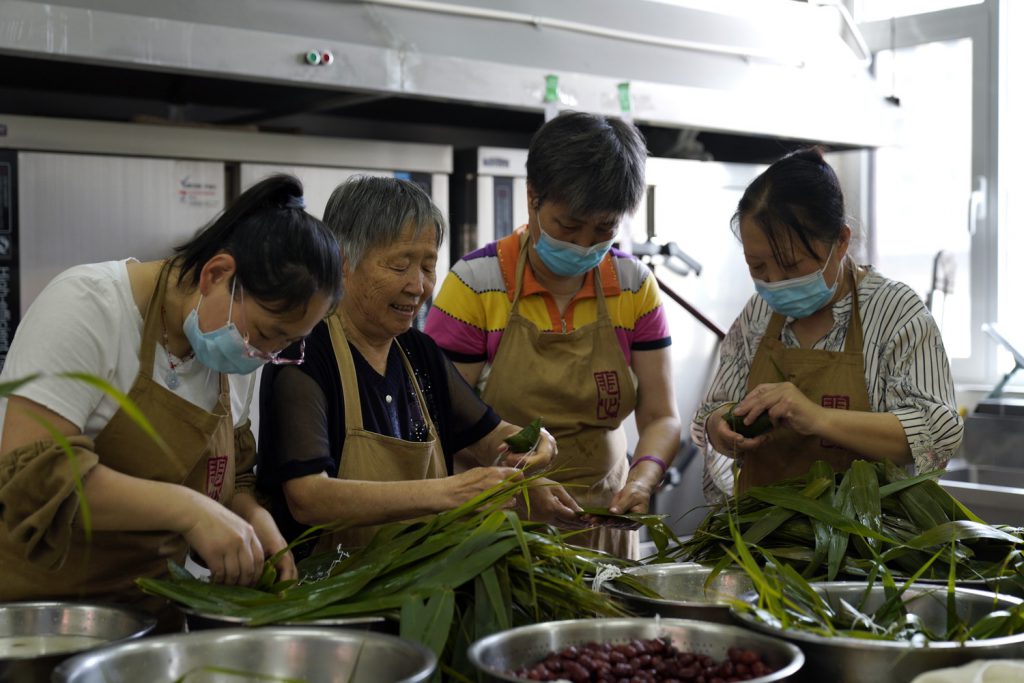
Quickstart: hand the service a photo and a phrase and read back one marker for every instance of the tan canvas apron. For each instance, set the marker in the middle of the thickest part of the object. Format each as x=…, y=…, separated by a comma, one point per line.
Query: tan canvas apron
x=834, y=379
x=201, y=457
x=367, y=456
x=580, y=383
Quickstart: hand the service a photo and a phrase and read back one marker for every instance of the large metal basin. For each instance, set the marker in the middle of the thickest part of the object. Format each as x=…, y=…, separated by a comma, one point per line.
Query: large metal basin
x=273, y=653
x=201, y=621
x=855, y=660
x=996, y=494
x=37, y=636
x=497, y=655
x=683, y=591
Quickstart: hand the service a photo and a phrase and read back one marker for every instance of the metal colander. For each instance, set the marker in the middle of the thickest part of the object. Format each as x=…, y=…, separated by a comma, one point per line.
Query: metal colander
x=325, y=655
x=497, y=655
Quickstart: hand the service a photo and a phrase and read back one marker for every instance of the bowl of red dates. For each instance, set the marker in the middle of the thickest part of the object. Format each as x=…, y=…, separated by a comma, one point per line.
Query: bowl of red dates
x=637, y=650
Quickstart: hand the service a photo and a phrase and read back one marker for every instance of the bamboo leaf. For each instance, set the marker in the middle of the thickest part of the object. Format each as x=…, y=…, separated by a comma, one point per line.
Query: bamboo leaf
x=9, y=387
x=429, y=622
x=497, y=597
x=816, y=509
x=960, y=530
x=774, y=518
x=906, y=482
x=823, y=471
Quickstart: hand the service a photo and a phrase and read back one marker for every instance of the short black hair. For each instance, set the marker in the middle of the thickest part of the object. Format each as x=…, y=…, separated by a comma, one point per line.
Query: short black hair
x=283, y=255
x=798, y=195
x=592, y=163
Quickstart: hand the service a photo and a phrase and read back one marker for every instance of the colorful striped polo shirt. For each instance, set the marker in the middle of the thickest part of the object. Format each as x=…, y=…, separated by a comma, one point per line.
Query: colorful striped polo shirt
x=472, y=307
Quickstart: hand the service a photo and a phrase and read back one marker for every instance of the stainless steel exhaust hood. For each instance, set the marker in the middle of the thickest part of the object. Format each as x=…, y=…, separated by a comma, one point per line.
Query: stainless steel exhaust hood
x=774, y=68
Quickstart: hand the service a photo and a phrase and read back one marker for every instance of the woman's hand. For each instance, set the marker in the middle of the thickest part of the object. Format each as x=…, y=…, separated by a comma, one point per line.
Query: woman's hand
x=272, y=541
x=725, y=440
x=539, y=456
x=786, y=405
x=227, y=544
x=634, y=497
x=551, y=503
x=466, y=485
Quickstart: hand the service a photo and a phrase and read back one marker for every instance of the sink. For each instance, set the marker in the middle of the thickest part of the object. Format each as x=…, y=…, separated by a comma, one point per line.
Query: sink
x=995, y=494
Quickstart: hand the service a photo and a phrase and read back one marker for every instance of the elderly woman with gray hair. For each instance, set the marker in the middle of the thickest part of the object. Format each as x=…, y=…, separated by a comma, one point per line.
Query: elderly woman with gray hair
x=366, y=430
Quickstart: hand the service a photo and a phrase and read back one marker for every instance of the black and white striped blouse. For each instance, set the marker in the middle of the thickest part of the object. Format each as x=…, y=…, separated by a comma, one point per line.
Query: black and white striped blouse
x=905, y=366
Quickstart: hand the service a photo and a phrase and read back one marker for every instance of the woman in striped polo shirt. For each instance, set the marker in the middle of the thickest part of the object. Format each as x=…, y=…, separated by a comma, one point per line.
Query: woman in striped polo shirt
x=551, y=321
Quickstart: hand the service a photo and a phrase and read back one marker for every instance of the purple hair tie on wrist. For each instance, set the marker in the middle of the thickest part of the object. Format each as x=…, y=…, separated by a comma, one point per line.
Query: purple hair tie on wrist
x=652, y=458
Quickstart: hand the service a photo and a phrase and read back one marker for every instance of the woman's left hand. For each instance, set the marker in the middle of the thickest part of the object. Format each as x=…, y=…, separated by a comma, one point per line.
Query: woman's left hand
x=635, y=497
x=786, y=405
x=551, y=503
x=272, y=540
x=539, y=456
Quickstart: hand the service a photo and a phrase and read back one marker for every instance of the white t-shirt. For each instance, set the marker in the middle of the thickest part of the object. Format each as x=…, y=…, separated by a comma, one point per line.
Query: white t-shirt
x=86, y=320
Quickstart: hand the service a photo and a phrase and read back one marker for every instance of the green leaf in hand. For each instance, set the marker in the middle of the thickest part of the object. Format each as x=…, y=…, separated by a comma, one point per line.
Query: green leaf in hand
x=762, y=424
x=526, y=438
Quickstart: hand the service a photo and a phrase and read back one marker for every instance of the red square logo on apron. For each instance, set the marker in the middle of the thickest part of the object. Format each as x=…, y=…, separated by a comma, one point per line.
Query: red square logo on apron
x=216, y=468
x=837, y=402
x=608, y=394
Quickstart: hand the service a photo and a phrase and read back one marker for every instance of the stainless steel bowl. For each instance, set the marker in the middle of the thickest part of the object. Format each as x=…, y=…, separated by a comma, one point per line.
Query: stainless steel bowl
x=683, y=592
x=854, y=660
x=36, y=636
x=301, y=654
x=497, y=655
x=201, y=621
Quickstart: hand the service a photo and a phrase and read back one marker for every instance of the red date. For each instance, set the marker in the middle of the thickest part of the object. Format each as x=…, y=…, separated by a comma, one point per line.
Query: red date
x=643, y=661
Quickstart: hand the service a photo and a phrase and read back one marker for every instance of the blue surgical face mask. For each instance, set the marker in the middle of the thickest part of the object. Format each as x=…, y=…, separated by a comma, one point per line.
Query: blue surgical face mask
x=223, y=349
x=568, y=259
x=801, y=296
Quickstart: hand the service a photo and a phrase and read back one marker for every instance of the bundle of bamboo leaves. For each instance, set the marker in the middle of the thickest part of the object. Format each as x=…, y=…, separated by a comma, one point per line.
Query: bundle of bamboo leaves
x=464, y=574
x=786, y=600
x=872, y=518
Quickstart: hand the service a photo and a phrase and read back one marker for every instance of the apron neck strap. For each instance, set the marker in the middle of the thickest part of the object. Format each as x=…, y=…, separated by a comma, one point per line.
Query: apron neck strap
x=350, y=381
x=347, y=371
x=855, y=332
x=524, y=250
x=153, y=321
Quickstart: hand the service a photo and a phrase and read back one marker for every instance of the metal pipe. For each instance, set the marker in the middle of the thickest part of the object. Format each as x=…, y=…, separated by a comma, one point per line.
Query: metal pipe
x=589, y=29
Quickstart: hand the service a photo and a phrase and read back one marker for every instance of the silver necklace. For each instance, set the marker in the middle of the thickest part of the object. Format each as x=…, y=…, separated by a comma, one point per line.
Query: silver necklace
x=171, y=378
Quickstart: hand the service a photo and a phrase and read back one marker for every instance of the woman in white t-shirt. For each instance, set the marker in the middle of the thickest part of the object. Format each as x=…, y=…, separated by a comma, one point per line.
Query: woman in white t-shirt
x=169, y=334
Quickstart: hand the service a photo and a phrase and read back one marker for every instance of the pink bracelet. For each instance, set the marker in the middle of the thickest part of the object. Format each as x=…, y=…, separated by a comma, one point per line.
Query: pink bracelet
x=652, y=458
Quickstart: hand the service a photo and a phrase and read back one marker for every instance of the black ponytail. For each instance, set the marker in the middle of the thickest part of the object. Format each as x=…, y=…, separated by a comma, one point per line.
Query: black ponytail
x=283, y=255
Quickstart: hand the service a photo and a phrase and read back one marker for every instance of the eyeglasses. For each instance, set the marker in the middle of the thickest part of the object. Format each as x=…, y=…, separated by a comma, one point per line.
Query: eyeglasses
x=275, y=357
x=251, y=351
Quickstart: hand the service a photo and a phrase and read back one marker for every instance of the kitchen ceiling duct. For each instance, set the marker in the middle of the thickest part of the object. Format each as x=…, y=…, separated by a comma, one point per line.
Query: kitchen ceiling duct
x=774, y=68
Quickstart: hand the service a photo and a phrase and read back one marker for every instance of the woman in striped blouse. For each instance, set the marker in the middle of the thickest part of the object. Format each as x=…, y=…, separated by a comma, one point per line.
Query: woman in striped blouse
x=846, y=363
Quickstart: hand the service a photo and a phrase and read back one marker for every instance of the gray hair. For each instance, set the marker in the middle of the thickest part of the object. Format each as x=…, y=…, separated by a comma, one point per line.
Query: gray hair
x=593, y=163
x=366, y=212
